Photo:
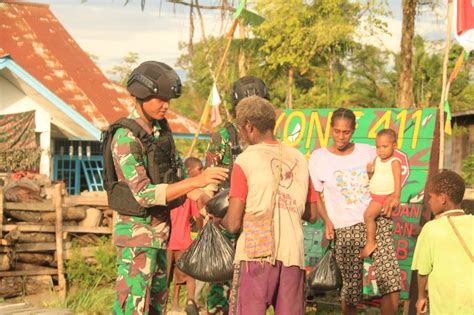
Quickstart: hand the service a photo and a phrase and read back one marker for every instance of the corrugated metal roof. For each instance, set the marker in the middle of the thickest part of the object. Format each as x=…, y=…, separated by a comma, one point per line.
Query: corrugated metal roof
x=36, y=40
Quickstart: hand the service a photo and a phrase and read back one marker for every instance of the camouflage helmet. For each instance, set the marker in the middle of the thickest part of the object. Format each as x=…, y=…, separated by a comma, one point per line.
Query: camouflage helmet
x=248, y=86
x=154, y=79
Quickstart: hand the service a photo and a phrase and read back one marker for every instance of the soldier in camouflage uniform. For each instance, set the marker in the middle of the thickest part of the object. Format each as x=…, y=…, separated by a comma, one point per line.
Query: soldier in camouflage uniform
x=222, y=151
x=141, y=240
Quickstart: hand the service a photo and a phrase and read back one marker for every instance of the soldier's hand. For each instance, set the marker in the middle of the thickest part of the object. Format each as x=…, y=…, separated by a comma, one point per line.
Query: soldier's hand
x=212, y=175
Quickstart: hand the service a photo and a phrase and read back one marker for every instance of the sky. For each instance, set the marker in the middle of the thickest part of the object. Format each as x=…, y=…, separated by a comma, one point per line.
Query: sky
x=110, y=30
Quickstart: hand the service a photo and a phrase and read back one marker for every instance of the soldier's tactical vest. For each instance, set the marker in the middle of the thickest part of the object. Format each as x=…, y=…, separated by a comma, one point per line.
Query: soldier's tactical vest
x=162, y=168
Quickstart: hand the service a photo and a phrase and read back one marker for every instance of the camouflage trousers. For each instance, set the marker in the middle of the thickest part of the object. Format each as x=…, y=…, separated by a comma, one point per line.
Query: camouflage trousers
x=141, y=281
x=217, y=298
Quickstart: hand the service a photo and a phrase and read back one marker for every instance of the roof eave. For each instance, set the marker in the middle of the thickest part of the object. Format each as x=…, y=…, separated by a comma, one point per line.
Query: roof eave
x=7, y=62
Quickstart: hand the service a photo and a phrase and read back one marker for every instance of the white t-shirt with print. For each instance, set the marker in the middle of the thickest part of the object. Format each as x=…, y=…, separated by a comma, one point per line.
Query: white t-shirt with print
x=344, y=182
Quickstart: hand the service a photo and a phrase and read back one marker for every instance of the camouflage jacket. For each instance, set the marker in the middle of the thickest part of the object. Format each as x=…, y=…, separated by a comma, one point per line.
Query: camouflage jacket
x=219, y=151
x=130, y=164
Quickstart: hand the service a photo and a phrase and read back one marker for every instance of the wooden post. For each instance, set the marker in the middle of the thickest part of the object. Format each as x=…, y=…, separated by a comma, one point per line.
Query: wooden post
x=444, y=93
x=57, y=199
x=114, y=217
x=1, y=211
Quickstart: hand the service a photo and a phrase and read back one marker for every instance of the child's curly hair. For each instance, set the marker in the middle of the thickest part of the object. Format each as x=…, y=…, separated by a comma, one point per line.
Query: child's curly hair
x=449, y=183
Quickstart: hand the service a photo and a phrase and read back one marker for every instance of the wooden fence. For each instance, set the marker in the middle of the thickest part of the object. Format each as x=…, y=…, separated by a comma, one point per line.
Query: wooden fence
x=35, y=241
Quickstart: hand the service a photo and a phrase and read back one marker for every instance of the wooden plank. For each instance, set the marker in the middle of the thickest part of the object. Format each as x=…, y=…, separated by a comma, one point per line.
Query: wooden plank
x=29, y=228
x=88, y=199
x=57, y=197
x=30, y=206
x=10, y=308
x=51, y=229
x=1, y=210
x=4, y=242
x=7, y=305
x=40, y=272
x=87, y=229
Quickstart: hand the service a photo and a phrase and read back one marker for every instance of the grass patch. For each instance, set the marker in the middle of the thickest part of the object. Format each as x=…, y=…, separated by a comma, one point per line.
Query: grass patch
x=92, y=286
x=87, y=300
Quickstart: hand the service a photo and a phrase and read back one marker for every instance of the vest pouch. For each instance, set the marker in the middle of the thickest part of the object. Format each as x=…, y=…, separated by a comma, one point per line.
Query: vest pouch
x=121, y=200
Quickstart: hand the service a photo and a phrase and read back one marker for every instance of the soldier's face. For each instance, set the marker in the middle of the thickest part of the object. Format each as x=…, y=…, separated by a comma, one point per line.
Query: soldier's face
x=156, y=108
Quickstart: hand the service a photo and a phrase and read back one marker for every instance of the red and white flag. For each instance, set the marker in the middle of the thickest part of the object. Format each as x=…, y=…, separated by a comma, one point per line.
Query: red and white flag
x=464, y=23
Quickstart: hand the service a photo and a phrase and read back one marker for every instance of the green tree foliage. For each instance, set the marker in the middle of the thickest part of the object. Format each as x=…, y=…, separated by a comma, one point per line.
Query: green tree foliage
x=314, y=39
x=295, y=32
x=461, y=93
x=427, y=74
x=372, y=81
x=332, y=69
x=122, y=71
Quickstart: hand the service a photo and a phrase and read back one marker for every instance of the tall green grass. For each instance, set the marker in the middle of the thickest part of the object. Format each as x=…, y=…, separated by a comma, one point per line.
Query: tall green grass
x=87, y=300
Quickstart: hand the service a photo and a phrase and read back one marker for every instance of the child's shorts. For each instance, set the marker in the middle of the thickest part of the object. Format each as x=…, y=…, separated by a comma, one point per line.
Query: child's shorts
x=379, y=198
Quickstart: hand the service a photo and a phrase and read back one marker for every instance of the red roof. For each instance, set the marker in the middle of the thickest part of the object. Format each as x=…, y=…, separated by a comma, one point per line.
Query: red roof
x=37, y=41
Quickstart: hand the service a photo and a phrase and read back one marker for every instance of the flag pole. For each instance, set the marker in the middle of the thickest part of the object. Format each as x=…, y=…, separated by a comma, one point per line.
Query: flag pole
x=444, y=88
x=205, y=112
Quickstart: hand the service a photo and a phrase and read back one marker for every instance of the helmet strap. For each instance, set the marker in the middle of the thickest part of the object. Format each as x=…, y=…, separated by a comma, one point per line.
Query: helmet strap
x=147, y=117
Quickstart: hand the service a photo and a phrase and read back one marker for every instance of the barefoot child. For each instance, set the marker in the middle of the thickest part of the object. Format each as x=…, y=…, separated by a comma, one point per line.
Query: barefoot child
x=385, y=182
x=444, y=251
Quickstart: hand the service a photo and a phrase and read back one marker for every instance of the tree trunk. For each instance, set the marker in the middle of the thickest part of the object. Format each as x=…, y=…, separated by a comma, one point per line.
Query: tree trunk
x=289, y=96
x=191, y=28
x=36, y=259
x=36, y=237
x=69, y=214
x=405, y=79
x=38, y=284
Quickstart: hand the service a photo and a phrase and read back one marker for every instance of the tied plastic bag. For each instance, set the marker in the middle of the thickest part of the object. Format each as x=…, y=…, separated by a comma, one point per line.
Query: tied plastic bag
x=210, y=257
x=325, y=276
x=218, y=205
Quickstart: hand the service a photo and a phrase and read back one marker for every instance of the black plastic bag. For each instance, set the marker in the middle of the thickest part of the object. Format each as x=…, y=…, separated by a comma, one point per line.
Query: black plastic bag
x=325, y=276
x=218, y=205
x=210, y=257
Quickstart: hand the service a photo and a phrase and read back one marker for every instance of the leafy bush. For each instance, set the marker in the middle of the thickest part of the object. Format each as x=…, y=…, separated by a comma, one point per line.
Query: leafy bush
x=83, y=273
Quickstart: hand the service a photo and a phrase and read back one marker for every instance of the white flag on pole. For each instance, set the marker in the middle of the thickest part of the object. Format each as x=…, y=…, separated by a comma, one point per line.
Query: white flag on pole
x=216, y=118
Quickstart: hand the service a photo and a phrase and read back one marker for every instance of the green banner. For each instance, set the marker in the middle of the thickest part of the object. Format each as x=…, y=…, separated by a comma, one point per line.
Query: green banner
x=309, y=129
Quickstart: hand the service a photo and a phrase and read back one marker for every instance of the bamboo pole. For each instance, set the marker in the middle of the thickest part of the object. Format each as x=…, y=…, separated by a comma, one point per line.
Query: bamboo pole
x=444, y=88
x=57, y=197
x=207, y=108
